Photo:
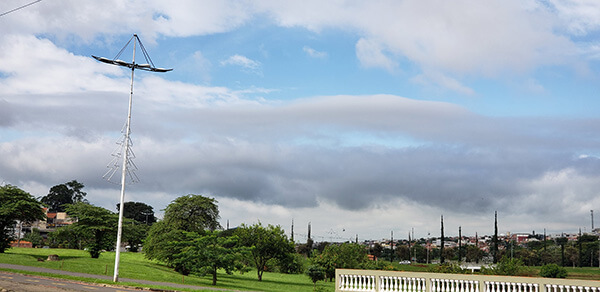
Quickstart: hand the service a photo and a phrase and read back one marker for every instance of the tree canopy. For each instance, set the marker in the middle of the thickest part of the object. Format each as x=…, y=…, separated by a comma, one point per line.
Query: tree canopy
x=265, y=243
x=191, y=213
x=139, y=212
x=96, y=225
x=17, y=206
x=344, y=256
x=206, y=254
x=62, y=194
x=194, y=213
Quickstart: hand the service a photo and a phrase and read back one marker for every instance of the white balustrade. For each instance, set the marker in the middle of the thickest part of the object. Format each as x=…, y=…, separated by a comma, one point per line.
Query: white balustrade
x=387, y=281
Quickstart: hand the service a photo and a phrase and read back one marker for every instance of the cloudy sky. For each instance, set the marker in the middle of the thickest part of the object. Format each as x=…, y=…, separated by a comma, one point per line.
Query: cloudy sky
x=362, y=117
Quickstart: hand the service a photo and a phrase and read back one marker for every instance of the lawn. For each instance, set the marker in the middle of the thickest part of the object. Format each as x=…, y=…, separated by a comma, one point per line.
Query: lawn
x=135, y=266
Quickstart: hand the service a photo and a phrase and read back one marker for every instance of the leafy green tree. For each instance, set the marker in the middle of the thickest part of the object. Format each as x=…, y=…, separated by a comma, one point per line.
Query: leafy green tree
x=450, y=252
x=315, y=273
x=97, y=223
x=67, y=193
x=528, y=257
x=17, y=206
x=207, y=253
x=474, y=254
x=572, y=255
x=403, y=253
x=562, y=241
x=265, y=243
x=194, y=213
x=68, y=237
x=376, y=250
x=34, y=237
x=134, y=233
x=306, y=249
x=191, y=213
x=139, y=212
x=589, y=250
x=344, y=256
x=420, y=253
x=160, y=245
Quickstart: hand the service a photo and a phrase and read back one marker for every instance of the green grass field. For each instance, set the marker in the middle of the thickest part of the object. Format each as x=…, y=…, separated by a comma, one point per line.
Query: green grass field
x=135, y=266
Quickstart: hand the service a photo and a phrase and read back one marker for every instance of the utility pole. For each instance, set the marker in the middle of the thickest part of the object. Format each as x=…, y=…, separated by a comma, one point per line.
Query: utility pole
x=127, y=165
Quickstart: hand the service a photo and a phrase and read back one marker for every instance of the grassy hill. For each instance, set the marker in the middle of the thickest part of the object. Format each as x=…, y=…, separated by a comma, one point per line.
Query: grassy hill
x=135, y=266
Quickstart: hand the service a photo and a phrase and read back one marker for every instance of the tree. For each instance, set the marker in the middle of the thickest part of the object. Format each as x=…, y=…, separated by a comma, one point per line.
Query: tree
x=403, y=252
x=158, y=245
x=98, y=224
x=60, y=195
x=460, y=244
x=265, y=243
x=377, y=250
x=17, y=206
x=34, y=237
x=344, y=256
x=193, y=213
x=495, y=239
x=139, y=212
x=562, y=241
x=442, y=240
x=473, y=254
x=315, y=273
x=206, y=254
x=134, y=233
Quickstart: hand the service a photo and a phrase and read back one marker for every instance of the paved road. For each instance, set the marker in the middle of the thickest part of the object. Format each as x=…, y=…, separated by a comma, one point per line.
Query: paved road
x=60, y=272
x=28, y=283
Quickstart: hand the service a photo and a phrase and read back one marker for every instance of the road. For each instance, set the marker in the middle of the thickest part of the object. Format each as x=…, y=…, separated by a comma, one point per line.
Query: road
x=27, y=283
x=51, y=284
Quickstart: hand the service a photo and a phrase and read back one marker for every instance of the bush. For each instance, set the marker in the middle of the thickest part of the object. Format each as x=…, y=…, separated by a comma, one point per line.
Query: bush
x=448, y=268
x=553, y=271
x=509, y=267
x=315, y=273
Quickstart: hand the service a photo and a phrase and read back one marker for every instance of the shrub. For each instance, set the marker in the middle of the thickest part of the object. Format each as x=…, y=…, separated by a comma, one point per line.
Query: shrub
x=553, y=271
x=509, y=267
x=448, y=268
x=315, y=273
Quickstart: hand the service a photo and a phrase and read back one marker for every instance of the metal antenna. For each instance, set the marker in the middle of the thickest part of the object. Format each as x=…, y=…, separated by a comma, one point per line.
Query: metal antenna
x=124, y=152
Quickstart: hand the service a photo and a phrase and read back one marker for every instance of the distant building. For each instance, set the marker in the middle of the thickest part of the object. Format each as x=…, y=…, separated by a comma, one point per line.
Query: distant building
x=53, y=220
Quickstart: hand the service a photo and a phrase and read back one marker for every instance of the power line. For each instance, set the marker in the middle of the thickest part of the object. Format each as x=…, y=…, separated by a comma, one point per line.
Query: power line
x=19, y=8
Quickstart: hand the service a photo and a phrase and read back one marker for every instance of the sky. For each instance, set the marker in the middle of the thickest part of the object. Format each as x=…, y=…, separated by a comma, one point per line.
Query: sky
x=361, y=118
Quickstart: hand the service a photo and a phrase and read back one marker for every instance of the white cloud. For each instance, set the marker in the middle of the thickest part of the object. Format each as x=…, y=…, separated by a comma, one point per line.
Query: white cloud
x=581, y=17
x=370, y=54
x=459, y=38
x=305, y=158
x=456, y=39
x=36, y=65
x=247, y=64
x=314, y=53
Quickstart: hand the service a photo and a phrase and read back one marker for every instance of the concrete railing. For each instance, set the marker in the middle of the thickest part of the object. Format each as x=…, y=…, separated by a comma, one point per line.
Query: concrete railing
x=369, y=280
